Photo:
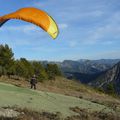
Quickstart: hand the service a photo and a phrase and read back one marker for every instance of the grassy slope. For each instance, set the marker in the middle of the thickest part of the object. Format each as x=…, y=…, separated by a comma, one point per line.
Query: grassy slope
x=69, y=88
x=11, y=95
x=51, y=97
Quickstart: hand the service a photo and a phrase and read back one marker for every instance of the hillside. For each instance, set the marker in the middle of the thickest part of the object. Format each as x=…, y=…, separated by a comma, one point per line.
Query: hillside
x=84, y=66
x=87, y=66
x=85, y=70
x=82, y=77
x=109, y=78
x=68, y=98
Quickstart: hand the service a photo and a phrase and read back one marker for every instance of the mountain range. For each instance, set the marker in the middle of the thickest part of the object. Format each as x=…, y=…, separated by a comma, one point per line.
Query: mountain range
x=87, y=66
x=103, y=73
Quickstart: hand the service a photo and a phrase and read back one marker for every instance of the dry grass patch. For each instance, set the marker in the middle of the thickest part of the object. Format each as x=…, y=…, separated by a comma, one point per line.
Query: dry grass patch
x=87, y=115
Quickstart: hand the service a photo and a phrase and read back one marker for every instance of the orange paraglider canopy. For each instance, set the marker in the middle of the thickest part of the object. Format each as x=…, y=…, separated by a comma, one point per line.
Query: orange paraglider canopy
x=35, y=16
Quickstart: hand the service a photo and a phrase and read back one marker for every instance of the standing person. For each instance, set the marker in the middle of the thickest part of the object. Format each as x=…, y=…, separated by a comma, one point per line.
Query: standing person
x=33, y=82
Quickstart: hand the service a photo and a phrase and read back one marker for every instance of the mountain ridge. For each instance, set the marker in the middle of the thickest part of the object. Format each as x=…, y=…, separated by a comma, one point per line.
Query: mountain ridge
x=109, y=77
x=84, y=65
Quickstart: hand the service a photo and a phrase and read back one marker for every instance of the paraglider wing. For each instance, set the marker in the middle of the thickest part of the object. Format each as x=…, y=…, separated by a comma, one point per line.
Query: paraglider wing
x=35, y=16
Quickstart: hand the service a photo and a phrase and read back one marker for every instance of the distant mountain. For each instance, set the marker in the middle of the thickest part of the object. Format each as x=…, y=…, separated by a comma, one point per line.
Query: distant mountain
x=101, y=61
x=103, y=73
x=87, y=66
x=82, y=77
x=84, y=70
x=109, y=80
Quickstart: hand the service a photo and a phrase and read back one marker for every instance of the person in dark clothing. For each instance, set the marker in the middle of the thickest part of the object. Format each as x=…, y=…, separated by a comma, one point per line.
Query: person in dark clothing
x=33, y=82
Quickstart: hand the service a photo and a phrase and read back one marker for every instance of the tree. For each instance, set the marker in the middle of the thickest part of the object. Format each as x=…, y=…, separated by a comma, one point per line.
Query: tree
x=39, y=70
x=110, y=88
x=23, y=68
x=53, y=71
x=6, y=58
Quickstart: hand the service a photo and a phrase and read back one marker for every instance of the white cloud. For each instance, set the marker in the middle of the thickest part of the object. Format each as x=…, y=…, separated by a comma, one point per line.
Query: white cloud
x=23, y=28
x=20, y=42
x=109, y=54
x=72, y=44
x=106, y=33
x=107, y=43
x=71, y=10
x=63, y=26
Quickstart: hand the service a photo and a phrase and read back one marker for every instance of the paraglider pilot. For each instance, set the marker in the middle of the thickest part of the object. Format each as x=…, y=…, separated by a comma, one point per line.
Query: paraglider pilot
x=33, y=82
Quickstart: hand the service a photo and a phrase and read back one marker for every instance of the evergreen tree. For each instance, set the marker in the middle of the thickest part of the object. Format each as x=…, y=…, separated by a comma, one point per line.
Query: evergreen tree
x=110, y=89
x=6, y=58
x=23, y=68
x=52, y=71
x=39, y=70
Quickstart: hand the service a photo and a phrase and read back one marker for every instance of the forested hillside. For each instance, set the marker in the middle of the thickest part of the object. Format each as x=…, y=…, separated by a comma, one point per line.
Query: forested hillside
x=23, y=68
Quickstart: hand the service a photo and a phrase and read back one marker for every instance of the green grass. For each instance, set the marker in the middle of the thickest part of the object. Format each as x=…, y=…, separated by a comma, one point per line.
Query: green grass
x=11, y=96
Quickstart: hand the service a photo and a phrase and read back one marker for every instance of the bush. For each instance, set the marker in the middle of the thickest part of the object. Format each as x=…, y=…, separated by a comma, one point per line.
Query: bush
x=110, y=89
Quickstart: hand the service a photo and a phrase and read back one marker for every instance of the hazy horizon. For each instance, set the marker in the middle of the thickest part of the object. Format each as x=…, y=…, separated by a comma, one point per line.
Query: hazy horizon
x=69, y=59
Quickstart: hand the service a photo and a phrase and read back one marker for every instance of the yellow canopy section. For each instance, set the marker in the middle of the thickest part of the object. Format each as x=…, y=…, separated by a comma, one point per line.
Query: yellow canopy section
x=35, y=16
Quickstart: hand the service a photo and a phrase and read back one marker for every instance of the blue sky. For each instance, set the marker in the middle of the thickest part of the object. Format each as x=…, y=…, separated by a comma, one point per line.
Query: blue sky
x=89, y=29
